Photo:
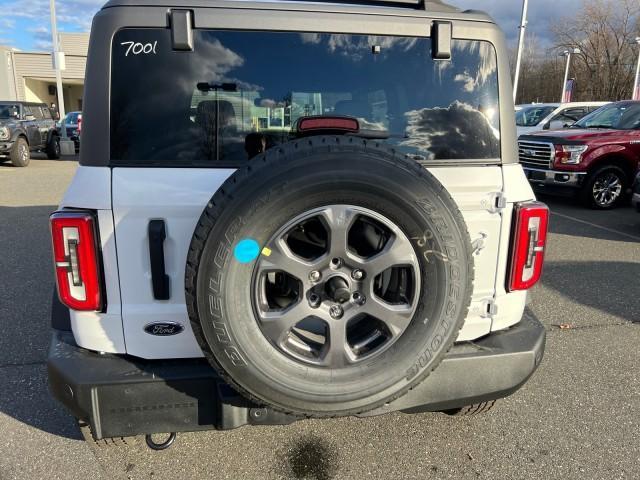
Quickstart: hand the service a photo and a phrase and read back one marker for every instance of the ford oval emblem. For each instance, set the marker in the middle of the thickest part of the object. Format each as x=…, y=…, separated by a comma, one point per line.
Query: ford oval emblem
x=163, y=329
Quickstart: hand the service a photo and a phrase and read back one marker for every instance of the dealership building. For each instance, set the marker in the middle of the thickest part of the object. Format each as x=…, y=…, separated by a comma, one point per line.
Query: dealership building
x=29, y=76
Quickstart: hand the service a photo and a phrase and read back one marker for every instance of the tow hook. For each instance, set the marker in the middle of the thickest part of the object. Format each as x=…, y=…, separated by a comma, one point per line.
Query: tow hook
x=160, y=446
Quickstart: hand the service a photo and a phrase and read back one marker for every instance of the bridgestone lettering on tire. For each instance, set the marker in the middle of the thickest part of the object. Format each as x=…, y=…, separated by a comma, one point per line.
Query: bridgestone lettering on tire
x=328, y=277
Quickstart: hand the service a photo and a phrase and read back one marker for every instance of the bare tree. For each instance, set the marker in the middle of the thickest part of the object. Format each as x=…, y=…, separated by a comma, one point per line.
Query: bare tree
x=540, y=73
x=604, y=31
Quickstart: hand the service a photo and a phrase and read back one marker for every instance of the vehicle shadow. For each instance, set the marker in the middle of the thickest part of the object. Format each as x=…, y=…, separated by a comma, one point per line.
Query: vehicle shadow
x=26, y=275
x=611, y=287
x=63, y=158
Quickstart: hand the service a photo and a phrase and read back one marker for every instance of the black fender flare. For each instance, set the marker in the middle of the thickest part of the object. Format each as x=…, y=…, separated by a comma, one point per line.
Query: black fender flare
x=52, y=132
x=20, y=132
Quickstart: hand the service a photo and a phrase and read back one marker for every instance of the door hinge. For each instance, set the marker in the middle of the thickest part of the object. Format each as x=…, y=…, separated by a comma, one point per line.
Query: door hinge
x=498, y=202
x=490, y=308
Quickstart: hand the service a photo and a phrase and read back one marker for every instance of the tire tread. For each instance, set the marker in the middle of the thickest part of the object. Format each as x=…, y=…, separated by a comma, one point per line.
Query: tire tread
x=472, y=410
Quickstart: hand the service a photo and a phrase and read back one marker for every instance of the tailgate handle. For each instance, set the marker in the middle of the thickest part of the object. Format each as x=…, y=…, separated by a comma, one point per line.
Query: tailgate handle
x=159, y=278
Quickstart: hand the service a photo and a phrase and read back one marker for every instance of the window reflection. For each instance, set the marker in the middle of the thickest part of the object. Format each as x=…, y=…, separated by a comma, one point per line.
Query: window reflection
x=257, y=85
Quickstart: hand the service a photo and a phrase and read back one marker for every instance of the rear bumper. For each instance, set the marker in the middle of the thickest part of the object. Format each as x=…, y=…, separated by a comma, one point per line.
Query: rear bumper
x=123, y=396
x=554, y=178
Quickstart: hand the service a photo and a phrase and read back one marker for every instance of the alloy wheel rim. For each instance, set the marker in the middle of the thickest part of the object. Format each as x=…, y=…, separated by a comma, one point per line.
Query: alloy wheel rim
x=607, y=189
x=336, y=298
x=24, y=152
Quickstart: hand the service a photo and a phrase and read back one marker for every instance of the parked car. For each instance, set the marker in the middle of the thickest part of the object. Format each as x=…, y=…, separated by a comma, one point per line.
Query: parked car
x=25, y=128
x=552, y=116
x=73, y=122
x=635, y=198
x=597, y=157
x=260, y=277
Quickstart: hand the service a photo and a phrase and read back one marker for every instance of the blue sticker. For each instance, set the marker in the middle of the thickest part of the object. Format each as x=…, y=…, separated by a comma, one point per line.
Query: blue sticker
x=247, y=250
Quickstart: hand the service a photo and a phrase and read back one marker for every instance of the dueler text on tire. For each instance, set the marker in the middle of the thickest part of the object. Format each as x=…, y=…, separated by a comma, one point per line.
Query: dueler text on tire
x=328, y=276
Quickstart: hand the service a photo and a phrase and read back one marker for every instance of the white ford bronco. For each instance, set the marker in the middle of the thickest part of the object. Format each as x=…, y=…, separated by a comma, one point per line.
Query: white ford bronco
x=287, y=210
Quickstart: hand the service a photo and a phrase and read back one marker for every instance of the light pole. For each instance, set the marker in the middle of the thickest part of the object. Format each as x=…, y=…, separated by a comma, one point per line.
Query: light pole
x=567, y=53
x=636, y=84
x=523, y=26
x=57, y=59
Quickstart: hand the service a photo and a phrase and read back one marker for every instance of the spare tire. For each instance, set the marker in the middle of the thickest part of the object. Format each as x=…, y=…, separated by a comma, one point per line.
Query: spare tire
x=329, y=276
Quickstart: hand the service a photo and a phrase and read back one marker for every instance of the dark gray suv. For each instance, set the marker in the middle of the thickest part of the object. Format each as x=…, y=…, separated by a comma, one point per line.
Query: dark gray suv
x=25, y=128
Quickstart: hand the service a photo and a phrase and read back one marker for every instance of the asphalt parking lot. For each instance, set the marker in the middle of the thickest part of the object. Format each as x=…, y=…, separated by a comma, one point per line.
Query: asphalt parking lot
x=577, y=417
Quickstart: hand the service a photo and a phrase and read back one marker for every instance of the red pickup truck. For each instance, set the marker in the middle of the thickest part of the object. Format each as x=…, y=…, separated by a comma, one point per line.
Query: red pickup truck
x=597, y=157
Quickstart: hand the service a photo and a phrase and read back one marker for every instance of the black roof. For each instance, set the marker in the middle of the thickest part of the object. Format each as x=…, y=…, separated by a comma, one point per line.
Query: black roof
x=428, y=5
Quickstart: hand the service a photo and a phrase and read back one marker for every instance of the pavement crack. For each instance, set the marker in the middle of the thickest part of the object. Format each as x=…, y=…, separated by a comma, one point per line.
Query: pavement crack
x=559, y=327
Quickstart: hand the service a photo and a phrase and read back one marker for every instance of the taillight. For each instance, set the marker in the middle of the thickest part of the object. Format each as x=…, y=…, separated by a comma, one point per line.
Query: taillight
x=528, y=245
x=79, y=124
x=76, y=261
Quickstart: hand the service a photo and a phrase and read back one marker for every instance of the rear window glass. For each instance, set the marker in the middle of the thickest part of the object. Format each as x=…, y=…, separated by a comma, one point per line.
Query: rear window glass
x=239, y=93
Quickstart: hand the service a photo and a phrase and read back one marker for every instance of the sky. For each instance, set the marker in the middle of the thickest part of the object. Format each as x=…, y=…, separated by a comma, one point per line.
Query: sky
x=25, y=24
x=507, y=13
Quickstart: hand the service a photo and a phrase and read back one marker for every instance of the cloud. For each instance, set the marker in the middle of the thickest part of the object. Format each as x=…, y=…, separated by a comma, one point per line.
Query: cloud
x=7, y=23
x=312, y=38
x=43, y=45
x=270, y=103
x=6, y=31
x=33, y=17
x=222, y=60
x=41, y=37
x=507, y=14
x=352, y=46
x=459, y=131
x=468, y=80
x=39, y=30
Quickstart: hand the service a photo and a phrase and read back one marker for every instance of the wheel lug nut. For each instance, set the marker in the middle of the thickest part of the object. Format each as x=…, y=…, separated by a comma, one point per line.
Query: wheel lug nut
x=336, y=311
x=336, y=263
x=315, y=276
x=358, y=298
x=357, y=274
x=314, y=300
